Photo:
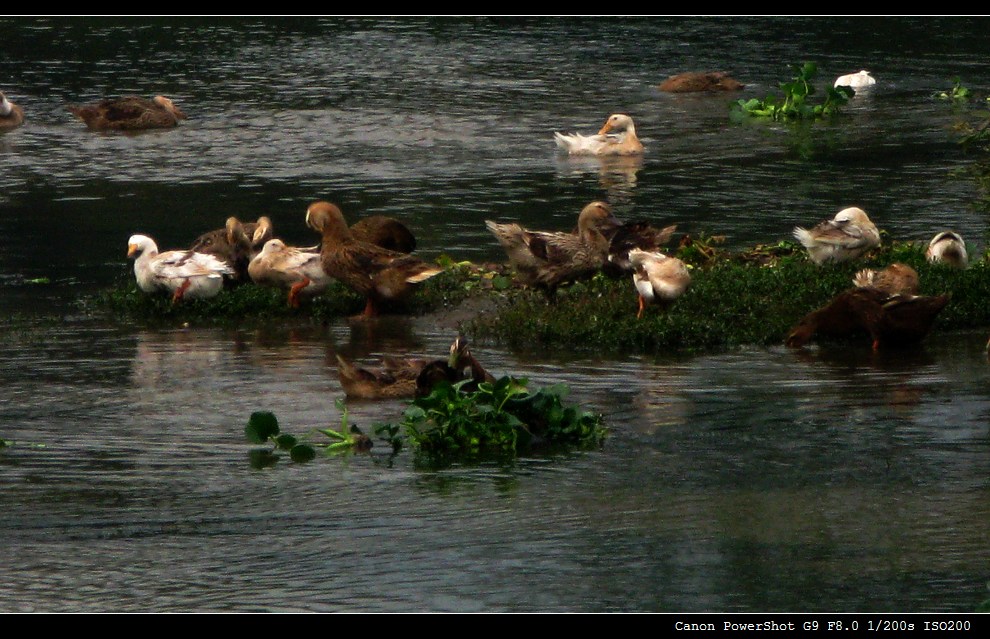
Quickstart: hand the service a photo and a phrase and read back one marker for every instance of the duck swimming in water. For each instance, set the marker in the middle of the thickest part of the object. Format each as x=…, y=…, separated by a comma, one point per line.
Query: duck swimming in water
x=616, y=137
x=130, y=113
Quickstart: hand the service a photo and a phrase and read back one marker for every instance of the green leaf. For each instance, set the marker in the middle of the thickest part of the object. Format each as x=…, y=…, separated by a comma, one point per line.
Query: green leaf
x=261, y=458
x=286, y=441
x=302, y=453
x=261, y=427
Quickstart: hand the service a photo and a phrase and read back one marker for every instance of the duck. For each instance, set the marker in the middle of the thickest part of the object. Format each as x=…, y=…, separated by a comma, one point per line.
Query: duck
x=386, y=232
x=185, y=274
x=411, y=377
x=546, y=260
x=237, y=243
x=130, y=113
x=859, y=80
x=616, y=137
x=890, y=320
x=698, y=81
x=633, y=235
x=296, y=269
x=11, y=115
x=949, y=248
x=845, y=237
x=381, y=275
x=897, y=279
x=658, y=278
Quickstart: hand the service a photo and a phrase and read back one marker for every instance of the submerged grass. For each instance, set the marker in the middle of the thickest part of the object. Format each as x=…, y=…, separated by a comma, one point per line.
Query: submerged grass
x=735, y=299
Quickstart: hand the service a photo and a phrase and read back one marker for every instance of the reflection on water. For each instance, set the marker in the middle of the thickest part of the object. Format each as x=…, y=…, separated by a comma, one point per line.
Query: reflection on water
x=828, y=478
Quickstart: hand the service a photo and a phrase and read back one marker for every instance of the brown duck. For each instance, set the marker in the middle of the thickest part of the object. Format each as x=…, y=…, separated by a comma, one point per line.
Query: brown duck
x=547, y=260
x=11, y=115
x=379, y=274
x=700, y=81
x=898, y=278
x=890, y=320
x=130, y=113
x=237, y=243
x=385, y=232
x=411, y=377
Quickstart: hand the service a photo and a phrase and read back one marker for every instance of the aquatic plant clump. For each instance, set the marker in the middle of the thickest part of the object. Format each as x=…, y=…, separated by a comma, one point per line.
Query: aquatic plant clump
x=504, y=418
x=796, y=104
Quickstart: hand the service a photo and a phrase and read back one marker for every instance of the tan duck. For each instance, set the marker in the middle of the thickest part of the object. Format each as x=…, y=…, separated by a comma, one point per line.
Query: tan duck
x=185, y=274
x=700, y=81
x=890, y=320
x=300, y=271
x=616, y=137
x=547, y=260
x=896, y=279
x=379, y=274
x=237, y=243
x=949, y=248
x=412, y=377
x=845, y=237
x=658, y=278
x=130, y=113
x=11, y=115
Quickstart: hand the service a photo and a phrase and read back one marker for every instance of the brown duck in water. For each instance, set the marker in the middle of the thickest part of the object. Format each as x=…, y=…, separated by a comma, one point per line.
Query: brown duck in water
x=897, y=278
x=890, y=320
x=411, y=377
x=130, y=113
x=11, y=115
x=547, y=260
x=379, y=274
x=700, y=81
x=236, y=244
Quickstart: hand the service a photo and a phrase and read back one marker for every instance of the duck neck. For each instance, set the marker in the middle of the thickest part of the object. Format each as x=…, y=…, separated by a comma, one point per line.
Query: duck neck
x=5, y=106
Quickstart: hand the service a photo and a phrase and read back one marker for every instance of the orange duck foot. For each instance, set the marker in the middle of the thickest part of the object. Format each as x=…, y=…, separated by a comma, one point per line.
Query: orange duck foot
x=296, y=290
x=180, y=292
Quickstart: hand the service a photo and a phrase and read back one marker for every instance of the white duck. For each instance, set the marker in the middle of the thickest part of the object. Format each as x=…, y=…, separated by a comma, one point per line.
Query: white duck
x=658, y=278
x=948, y=247
x=186, y=274
x=616, y=137
x=845, y=237
x=859, y=80
x=299, y=270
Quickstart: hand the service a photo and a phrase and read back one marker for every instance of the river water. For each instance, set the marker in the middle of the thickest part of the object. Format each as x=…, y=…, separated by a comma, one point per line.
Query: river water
x=763, y=479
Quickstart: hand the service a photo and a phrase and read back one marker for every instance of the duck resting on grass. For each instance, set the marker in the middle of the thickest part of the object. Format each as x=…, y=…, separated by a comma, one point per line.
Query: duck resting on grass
x=896, y=279
x=379, y=274
x=547, y=260
x=236, y=244
x=949, y=248
x=298, y=270
x=658, y=278
x=845, y=237
x=185, y=274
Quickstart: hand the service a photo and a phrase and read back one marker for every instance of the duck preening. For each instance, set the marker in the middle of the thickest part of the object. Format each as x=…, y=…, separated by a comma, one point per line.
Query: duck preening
x=185, y=274
x=896, y=279
x=237, y=243
x=658, y=278
x=130, y=113
x=297, y=270
x=547, y=260
x=847, y=236
x=381, y=275
x=412, y=377
x=616, y=137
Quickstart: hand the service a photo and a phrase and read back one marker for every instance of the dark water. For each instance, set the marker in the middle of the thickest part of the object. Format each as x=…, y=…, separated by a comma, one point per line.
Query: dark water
x=757, y=480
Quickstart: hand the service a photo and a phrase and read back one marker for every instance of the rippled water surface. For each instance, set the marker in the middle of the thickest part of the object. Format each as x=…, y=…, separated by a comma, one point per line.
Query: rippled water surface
x=758, y=480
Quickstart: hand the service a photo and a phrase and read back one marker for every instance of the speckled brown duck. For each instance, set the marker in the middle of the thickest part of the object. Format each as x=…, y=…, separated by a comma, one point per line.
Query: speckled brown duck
x=129, y=113
x=547, y=260
x=379, y=274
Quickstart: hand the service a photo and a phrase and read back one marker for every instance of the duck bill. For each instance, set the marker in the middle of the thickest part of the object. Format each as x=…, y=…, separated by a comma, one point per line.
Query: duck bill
x=605, y=129
x=131, y=250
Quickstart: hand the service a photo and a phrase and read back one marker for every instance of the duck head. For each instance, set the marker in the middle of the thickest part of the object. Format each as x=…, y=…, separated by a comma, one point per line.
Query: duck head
x=169, y=106
x=327, y=219
x=618, y=123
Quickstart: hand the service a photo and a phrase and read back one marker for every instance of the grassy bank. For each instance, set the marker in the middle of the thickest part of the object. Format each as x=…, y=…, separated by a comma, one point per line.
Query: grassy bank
x=752, y=297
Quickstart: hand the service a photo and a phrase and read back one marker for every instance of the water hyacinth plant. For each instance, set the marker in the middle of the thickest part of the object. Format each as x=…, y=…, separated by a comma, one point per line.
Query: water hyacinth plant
x=795, y=104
